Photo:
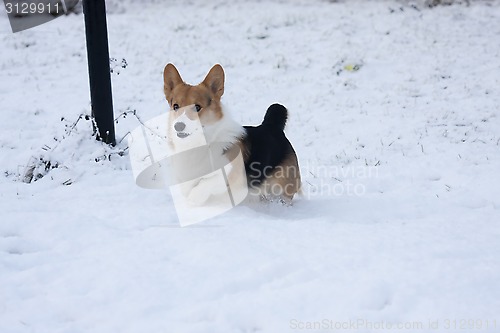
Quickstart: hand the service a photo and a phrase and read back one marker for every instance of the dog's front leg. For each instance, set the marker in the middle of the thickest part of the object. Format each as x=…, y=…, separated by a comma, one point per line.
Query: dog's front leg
x=210, y=185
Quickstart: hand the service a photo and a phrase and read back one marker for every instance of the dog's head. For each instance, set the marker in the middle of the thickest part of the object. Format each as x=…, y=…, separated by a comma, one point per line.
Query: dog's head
x=192, y=107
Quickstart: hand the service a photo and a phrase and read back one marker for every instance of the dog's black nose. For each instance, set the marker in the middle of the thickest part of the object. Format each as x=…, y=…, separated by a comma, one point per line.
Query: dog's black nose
x=180, y=126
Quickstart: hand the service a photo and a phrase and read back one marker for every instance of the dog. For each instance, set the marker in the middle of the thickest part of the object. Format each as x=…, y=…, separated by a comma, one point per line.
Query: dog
x=197, y=117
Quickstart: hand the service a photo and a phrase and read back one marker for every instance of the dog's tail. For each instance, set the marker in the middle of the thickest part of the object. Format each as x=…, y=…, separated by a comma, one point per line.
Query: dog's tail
x=276, y=116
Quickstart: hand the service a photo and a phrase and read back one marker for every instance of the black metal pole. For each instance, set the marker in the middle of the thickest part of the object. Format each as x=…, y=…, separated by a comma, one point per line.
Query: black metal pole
x=96, y=32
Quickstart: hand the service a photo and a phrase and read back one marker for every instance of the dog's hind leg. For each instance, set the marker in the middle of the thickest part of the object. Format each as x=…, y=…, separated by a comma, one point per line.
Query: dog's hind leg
x=283, y=183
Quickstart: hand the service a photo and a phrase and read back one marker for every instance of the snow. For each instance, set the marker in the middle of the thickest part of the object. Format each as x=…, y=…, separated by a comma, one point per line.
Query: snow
x=399, y=220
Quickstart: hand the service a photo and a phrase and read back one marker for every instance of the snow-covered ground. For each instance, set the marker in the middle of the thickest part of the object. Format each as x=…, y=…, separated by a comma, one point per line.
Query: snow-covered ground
x=399, y=223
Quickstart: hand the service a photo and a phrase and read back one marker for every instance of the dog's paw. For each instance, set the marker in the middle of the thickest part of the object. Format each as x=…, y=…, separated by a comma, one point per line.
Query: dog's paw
x=279, y=199
x=198, y=196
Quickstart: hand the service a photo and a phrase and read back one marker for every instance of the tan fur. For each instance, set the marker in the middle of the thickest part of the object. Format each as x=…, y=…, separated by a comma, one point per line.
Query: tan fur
x=236, y=175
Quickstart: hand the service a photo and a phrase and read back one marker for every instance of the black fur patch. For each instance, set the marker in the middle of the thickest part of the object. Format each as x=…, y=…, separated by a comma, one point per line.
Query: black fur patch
x=267, y=145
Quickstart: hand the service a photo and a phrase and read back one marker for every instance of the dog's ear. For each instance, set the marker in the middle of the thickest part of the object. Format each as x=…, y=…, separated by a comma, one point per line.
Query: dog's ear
x=171, y=78
x=215, y=81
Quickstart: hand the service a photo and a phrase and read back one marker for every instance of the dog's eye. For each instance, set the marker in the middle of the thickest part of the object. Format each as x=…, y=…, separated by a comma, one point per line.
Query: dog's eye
x=198, y=108
x=176, y=106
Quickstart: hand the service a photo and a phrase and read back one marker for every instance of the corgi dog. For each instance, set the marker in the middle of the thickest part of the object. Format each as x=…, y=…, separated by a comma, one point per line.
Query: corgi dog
x=197, y=117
